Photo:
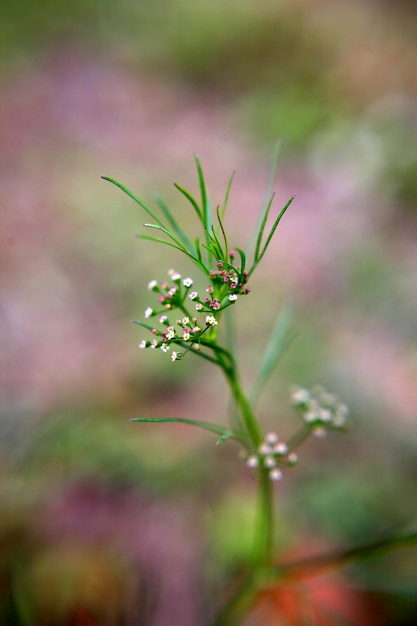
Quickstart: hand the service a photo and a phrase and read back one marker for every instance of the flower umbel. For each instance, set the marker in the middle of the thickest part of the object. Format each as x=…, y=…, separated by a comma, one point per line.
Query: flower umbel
x=187, y=331
x=319, y=409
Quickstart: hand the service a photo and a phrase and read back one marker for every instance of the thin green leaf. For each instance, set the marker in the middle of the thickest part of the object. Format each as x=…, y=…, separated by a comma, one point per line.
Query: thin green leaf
x=275, y=347
x=173, y=222
x=223, y=439
x=208, y=219
x=198, y=249
x=242, y=259
x=215, y=238
x=226, y=196
x=267, y=195
x=134, y=197
x=213, y=249
x=271, y=234
x=226, y=247
x=274, y=227
x=191, y=199
x=205, y=204
x=262, y=228
x=167, y=243
x=142, y=324
x=169, y=234
x=214, y=428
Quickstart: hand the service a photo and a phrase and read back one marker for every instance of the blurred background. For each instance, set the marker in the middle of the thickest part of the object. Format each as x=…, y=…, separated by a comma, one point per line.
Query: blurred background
x=104, y=522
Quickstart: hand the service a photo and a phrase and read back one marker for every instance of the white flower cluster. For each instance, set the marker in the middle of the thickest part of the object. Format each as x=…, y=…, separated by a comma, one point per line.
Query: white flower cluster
x=273, y=455
x=319, y=409
x=184, y=331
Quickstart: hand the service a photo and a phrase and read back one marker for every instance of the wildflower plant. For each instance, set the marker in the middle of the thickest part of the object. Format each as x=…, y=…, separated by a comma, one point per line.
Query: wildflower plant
x=183, y=321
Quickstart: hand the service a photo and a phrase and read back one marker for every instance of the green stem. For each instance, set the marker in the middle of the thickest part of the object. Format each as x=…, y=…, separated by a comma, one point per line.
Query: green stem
x=264, y=540
x=242, y=598
x=251, y=423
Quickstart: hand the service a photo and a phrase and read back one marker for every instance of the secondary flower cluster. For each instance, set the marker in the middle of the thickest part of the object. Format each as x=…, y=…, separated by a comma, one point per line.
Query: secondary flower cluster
x=273, y=455
x=320, y=409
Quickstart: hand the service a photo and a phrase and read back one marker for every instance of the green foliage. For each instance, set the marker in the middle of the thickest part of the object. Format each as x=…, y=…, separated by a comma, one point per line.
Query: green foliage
x=225, y=433
x=281, y=337
x=217, y=251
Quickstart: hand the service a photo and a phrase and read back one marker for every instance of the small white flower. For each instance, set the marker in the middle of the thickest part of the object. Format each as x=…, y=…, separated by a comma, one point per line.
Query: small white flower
x=172, y=292
x=187, y=282
x=309, y=417
x=293, y=458
x=186, y=334
x=275, y=474
x=193, y=295
x=320, y=432
x=269, y=462
x=232, y=297
x=174, y=356
x=198, y=306
x=170, y=332
x=281, y=448
x=143, y=344
x=271, y=439
x=252, y=461
x=211, y=320
x=162, y=319
x=152, y=284
x=148, y=312
x=165, y=347
x=185, y=320
x=154, y=343
x=264, y=449
x=325, y=415
x=299, y=395
x=174, y=275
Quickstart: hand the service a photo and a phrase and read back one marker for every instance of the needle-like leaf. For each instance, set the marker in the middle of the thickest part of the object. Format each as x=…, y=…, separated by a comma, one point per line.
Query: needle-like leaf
x=225, y=433
x=226, y=195
x=205, y=204
x=191, y=199
x=173, y=222
x=134, y=197
x=167, y=243
x=259, y=255
x=274, y=227
x=278, y=342
x=262, y=228
x=242, y=259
